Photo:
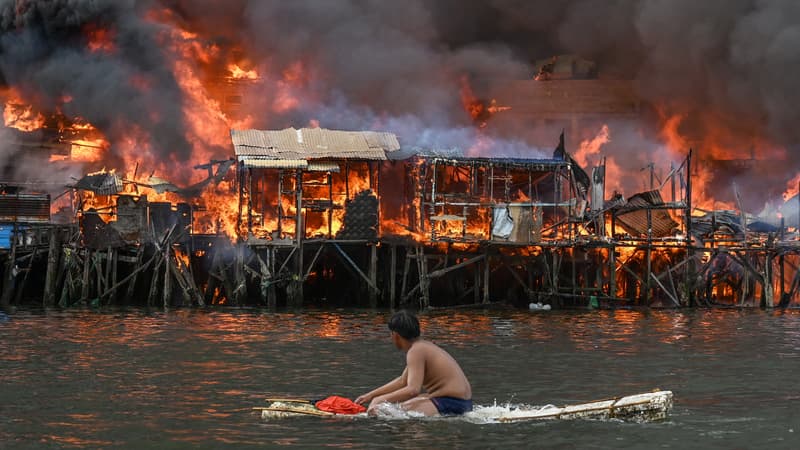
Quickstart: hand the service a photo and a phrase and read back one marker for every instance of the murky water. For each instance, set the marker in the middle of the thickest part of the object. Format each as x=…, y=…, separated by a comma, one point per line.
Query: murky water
x=189, y=378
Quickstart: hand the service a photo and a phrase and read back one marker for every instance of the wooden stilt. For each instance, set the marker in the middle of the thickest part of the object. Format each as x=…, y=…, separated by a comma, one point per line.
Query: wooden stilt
x=272, y=297
x=213, y=278
x=486, y=272
x=404, y=284
x=240, y=289
x=87, y=263
x=21, y=285
x=392, y=276
x=97, y=265
x=152, y=294
x=8, y=279
x=52, y=273
x=132, y=276
x=476, y=284
x=373, y=275
x=132, y=284
x=107, y=277
x=112, y=298
x=424, y=281
x=769, y=291
x=167, y=294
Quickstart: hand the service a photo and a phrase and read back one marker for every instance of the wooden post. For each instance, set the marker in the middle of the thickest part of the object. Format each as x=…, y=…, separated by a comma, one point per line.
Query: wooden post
x=487, y=262
x=97, y=263
x=573, y=273
x=240, y=289
x=66, y=272
x=87, y=262
x=476, y=287
x=690, y=267
x=131, y=291
x=167, y=294
x=107, y=277
x=424, y=281
x=392, y=276
x=648, y=257
x=272, y=297
x=373, y=274
x=151, y=296
x=249, y=200
x=194, y=292
x=213, y=281
x=298, y=291
x=612, y=269
x=114, y=263
x=8, y=281
x=51, y=276
x=21, y=285
x=769, y=292
x=406, y=269
x=62, y=271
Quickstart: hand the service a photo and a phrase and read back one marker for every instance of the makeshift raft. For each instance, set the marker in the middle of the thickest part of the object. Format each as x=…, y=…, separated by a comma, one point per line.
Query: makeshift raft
x=645, y=407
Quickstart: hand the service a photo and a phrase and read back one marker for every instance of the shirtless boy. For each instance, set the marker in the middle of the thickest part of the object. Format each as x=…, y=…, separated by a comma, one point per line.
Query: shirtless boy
x=432, y=382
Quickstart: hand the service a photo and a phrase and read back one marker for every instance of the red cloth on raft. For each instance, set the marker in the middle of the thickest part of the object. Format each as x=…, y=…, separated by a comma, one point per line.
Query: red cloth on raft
x=339, y=405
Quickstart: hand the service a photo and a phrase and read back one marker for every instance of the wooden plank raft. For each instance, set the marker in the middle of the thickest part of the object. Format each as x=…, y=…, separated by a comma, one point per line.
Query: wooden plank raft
x=645, y=407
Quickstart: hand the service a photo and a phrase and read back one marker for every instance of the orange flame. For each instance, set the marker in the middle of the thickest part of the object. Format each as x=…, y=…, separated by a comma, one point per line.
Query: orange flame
x=17, y=114
x=237, y=73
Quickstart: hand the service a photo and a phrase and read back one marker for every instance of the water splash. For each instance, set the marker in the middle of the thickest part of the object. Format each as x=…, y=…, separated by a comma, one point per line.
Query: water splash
x=496, y=413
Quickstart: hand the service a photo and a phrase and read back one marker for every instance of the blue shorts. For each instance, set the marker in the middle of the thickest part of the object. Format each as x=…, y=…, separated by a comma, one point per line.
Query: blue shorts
x=449, y=406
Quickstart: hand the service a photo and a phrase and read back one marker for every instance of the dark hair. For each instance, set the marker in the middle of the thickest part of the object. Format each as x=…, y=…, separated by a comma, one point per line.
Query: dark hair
x=405, y=324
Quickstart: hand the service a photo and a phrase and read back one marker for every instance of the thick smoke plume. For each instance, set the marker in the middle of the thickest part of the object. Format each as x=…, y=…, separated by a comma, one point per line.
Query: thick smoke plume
x=727, y=66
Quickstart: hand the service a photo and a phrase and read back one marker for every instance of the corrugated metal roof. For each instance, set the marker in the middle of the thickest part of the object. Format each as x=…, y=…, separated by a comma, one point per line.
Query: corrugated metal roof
x=104, y=183
x=633, y=216
x=254, y=163
x=313, y=143
x=323, y=166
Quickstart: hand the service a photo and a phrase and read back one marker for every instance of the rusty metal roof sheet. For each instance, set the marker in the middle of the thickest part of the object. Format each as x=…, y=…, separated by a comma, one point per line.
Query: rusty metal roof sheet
x=101, y=183
x=633, y=216
x=313, y=143
x=323, y=166
x=257, y=163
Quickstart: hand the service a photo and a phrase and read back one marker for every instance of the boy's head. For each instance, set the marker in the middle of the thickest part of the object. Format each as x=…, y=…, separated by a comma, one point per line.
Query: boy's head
x=405, y=324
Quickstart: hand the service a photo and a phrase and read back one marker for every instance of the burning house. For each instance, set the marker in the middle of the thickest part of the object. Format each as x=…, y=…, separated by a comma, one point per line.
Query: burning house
x=310, y=182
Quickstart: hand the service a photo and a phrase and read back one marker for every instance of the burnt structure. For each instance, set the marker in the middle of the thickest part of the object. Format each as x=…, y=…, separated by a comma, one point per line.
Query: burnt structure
x=329, y=217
